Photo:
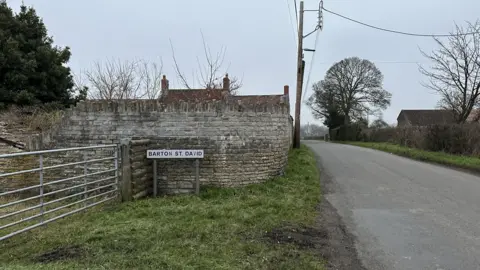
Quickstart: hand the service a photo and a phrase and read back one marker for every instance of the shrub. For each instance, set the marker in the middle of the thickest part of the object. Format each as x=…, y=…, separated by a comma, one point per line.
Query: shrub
x=454, y=139
x=352, y=132
x=380, y=135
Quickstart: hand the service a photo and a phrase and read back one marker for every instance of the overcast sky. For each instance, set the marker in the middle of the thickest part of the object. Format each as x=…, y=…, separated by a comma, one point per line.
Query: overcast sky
x=259, y=38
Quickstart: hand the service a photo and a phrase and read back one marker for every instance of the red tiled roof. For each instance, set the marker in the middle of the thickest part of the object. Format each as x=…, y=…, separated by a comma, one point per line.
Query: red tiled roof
x=195, y=95
x=258, y=99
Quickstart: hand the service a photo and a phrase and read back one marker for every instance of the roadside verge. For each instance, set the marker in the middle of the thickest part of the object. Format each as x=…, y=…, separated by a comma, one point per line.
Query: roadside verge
x=263, y=226
x=471, y=164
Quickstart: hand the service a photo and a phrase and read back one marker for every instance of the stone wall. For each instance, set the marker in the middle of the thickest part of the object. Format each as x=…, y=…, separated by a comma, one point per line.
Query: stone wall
x=244, y=143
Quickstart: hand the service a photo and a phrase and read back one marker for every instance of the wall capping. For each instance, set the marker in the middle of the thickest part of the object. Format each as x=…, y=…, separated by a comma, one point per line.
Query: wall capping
x=145, y=106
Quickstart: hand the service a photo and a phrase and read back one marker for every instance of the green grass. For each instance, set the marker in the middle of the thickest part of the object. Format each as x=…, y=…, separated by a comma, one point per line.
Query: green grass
x=221, y=229
x=463, y=162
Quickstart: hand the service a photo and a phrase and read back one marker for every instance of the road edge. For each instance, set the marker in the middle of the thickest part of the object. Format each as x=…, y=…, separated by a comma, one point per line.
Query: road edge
x=464, y=169
x=342, y=252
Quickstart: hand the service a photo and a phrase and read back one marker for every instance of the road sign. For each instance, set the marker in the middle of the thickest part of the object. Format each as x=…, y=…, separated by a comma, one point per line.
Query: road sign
x=175, y=153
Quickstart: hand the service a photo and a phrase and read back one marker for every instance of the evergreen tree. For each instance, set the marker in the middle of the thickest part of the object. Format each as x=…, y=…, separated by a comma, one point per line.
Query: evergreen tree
x=32, y=69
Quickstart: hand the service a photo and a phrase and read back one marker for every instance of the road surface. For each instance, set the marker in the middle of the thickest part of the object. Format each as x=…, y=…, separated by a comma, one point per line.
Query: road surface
x=404, y=214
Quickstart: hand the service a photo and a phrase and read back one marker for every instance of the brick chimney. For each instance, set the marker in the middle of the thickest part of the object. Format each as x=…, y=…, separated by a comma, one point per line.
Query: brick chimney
x=286, y=94
x=164, y=86
x=226, y=83
x=226, y=87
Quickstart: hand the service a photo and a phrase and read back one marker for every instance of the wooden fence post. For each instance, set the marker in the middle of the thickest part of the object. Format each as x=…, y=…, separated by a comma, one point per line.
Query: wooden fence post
x=126, y=181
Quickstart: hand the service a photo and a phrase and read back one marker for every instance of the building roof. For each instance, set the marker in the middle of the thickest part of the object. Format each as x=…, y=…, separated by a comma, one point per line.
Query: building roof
x=198, y=95
x=193, y=95
x=223, y=93
x=427, y=117
x=258, y=99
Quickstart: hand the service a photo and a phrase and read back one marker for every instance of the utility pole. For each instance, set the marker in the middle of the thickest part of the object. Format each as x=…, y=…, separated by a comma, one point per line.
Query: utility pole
x=298, y=102
x=301, y=66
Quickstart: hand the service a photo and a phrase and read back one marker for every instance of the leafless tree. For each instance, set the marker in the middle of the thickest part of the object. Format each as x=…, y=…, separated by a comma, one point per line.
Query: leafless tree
x=117, y=79
x=151, y=74
x=210, y=73
x=313, y=130
x=351, y=88
x=455, y=71
x=80, y=88
x=114, y=79
x=79, y=80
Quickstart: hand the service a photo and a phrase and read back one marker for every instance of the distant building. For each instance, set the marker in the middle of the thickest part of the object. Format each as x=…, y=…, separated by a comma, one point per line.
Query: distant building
x=201, y=95
x=431, y=117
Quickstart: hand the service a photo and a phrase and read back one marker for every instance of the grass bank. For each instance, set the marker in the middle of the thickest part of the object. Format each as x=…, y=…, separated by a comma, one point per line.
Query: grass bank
x=221, y=229
x=462, y=162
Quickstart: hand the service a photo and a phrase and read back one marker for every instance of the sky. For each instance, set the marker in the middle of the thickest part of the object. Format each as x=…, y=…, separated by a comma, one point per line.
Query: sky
x=260, y=39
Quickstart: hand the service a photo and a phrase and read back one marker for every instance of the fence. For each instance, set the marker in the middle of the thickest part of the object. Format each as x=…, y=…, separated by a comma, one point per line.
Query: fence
x=88, y=181
x=137, y=170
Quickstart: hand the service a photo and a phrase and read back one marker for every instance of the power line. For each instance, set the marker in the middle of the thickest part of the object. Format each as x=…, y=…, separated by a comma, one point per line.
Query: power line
x=311, y=65
x=296, y=12
x=295, y=29
x=381, y=62
x=318, y=28
x=374, y=1
x=399, y=32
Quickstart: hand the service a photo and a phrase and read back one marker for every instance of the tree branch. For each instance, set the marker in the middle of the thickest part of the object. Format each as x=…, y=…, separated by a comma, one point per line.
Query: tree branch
x=209, y=73
x=455, y=73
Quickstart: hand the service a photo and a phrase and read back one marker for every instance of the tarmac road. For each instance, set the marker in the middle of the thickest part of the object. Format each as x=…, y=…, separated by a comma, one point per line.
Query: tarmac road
x=404, y=214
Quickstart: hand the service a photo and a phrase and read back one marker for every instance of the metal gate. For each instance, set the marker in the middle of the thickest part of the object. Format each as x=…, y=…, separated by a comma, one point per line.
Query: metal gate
x=62, y=182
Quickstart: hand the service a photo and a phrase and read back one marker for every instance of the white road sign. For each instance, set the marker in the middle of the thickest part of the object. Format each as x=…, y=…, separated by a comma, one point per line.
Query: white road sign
x=175, y=153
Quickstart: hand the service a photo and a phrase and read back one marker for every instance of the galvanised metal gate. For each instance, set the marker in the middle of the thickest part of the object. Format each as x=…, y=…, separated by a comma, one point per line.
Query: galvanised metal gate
x=39, y=197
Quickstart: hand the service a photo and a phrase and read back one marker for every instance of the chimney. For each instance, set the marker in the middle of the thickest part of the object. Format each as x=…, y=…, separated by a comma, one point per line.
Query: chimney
x=226, y=83
x=286, y=95
x=164, y=86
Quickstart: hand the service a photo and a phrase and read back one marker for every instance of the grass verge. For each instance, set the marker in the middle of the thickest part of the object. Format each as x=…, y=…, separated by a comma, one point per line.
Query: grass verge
x=221, y=229
x=462, y=162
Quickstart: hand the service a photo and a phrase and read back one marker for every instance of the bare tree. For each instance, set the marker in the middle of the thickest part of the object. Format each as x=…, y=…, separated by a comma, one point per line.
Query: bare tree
x=79, y=80
x=210, y=73
x=455, y=71
x=310, y=130
x=351, y=88
x=151, y=74
x=80, y=88
x=115, y=79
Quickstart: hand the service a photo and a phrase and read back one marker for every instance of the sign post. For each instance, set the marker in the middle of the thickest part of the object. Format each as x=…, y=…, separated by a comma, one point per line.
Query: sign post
x=155, y=179
x=197, y=176
x=176, y=154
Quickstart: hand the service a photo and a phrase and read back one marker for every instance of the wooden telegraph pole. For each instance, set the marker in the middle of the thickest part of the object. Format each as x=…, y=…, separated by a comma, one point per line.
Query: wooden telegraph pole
x=301, y=66
x=300, y=69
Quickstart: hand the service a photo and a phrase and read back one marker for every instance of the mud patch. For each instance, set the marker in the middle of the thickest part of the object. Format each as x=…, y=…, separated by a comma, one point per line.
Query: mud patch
x=61, y=254
x=301, y=236
x=339, y=251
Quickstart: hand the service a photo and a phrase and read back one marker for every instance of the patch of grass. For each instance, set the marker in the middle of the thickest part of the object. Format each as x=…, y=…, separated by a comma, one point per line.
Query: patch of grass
x=463, y=162
x=221, y=229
